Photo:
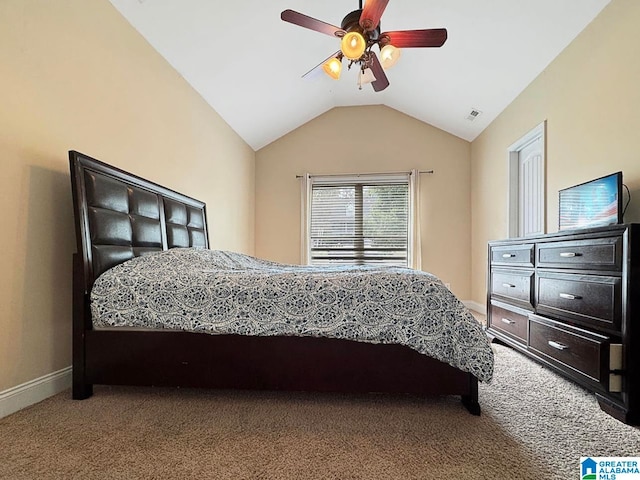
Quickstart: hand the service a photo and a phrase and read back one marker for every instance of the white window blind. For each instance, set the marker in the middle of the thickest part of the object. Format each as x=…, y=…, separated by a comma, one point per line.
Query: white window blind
x=359, y=222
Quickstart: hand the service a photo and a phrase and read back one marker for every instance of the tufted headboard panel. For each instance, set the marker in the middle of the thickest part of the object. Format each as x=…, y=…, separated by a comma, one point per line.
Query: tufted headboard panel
x=119, y=216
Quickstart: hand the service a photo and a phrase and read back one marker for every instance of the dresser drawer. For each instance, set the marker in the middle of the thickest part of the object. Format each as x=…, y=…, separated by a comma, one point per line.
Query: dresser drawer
x=583, y=352
x=520, y=255
x=510, y=321
x=591, y=254
x=592, y=300
x=513, y=285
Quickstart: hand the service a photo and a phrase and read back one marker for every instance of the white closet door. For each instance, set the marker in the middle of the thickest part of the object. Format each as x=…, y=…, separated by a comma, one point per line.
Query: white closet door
x=531, y=189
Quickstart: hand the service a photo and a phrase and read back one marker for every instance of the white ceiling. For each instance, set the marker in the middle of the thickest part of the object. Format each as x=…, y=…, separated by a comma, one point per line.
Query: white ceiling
x=247, y=63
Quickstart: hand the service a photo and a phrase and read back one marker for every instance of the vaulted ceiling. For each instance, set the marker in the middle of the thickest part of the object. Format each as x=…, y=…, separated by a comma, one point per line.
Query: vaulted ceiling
x=248, y=64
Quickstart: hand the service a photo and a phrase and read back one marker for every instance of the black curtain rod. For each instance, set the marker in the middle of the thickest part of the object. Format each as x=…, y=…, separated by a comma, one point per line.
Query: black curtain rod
x=364, y=174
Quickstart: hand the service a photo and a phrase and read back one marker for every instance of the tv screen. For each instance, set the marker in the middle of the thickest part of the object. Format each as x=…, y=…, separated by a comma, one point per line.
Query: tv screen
x=592, y=204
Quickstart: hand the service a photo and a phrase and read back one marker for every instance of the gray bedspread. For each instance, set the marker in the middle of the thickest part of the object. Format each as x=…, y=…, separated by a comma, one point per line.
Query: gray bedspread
x=221, y=292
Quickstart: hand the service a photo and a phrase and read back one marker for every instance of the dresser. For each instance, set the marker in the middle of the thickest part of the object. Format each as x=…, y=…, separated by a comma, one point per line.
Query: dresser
x=571, y=301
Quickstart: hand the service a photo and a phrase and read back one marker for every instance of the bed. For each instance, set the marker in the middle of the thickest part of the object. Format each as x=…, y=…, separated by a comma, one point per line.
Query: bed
x=123, y=221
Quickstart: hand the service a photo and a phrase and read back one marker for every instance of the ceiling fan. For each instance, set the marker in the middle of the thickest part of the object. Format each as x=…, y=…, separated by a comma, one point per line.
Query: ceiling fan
x=360, y=31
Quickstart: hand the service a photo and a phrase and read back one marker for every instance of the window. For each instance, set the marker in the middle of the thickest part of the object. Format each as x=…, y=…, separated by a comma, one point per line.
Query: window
x=361, y=220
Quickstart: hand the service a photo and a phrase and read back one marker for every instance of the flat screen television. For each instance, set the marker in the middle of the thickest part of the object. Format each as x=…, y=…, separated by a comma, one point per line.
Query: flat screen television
x=592, y=204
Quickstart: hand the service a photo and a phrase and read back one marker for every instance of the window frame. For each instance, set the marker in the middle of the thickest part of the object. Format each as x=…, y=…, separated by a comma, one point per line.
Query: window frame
x=404, y=178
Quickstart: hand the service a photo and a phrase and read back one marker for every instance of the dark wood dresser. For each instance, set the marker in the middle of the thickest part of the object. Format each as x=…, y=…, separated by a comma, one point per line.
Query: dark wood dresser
x=571, y=301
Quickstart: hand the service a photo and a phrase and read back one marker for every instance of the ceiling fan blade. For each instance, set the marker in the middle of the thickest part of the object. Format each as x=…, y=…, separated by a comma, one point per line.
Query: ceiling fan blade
x=318, y=68
x=311, y=23
x=371, y=13
x=381, y=82
x=433, y=37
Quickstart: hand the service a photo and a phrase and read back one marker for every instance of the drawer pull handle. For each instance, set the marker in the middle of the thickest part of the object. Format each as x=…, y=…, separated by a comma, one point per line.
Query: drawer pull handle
x=507, y=321
x=569, y=254
x=557, y=345
x=508, y=285
x=569, y=296
x=508, y=255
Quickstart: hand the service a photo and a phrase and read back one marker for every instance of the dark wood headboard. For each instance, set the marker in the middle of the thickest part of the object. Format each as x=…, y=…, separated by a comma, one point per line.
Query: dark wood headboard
x=119, y=216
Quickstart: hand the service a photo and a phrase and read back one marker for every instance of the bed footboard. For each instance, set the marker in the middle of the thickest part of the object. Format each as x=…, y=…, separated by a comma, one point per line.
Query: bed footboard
x=175, y=358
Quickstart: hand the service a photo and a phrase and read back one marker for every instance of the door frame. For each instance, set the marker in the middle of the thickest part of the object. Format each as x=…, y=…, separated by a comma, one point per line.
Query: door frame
x=539, y=130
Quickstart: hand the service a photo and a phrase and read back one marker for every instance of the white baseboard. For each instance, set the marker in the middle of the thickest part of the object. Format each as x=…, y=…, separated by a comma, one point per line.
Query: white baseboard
x=34, y=391
x=475, y=306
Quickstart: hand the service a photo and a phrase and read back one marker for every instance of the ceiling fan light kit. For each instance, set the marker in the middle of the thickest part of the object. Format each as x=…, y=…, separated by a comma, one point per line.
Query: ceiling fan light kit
x=389, y=56
x=333, y=67
x=365, y=76
x=353, y=45
x=359, y=32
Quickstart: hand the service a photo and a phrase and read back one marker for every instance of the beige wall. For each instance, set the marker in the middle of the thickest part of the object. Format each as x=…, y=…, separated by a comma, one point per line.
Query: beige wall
x=75, y=75
x=370, y=139
x=590, y=97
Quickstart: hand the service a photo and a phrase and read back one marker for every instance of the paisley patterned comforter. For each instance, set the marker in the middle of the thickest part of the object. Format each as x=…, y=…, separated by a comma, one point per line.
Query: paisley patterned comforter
x=221, y=292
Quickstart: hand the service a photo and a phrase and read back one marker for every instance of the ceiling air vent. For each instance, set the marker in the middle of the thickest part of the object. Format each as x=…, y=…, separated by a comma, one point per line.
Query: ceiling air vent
x=473, y=114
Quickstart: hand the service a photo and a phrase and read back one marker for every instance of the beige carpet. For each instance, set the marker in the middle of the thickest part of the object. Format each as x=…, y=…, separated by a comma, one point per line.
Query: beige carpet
x=534, y=425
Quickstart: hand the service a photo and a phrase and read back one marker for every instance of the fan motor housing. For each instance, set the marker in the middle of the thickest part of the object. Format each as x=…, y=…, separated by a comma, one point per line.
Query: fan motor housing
x=351, y=23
